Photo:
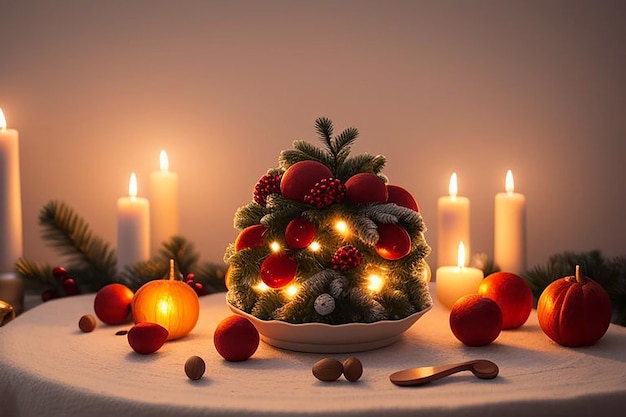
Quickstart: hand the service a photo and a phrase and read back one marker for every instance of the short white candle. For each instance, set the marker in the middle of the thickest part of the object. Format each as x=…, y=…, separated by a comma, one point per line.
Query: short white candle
x=164, y=204
x=133, y=227
x=454, y=282
x=10, y=198
x=509, y=249
x=453, y=224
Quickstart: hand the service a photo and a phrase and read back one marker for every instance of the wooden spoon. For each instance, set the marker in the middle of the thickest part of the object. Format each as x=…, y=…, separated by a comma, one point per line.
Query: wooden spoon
x=482, y=368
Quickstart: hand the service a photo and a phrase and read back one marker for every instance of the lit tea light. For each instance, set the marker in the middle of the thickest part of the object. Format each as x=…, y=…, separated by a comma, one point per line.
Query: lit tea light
x=454, y=282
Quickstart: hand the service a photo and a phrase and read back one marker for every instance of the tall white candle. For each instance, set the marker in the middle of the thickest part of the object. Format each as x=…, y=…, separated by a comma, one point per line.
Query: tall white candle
x=10, y=198
x=454, y=282
x=164, y=204
x=453, y=224
x=133, y=227
x=509, y=248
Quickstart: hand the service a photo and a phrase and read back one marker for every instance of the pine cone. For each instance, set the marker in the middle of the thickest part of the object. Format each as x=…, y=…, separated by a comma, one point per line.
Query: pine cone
x=326, y=192
x=347, y=257
x=268, y=184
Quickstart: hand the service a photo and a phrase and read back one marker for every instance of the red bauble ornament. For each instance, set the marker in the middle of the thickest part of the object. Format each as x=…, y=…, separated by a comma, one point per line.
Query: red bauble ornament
x=475, y=320
x=278, y=270
x=300, y=233
x=393, y=242
x=574, y=311
x=366, y=188
x=112, y=303
x=401, y=197
x=251, y=237
x=236, y=338
x=300, y=178
x=146, y=338
x=513, y=296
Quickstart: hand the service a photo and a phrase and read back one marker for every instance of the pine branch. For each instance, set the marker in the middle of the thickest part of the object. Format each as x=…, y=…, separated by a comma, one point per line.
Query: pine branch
x=69, y=233
x=249, y=215
x=325, y=129
x=34, y=272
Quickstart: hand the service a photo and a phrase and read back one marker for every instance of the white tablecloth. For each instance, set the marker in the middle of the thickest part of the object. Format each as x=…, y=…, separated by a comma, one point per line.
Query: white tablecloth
x=49, y=368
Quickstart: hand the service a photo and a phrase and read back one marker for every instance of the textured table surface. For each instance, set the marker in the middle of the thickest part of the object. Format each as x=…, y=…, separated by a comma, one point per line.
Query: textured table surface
x=48, y=367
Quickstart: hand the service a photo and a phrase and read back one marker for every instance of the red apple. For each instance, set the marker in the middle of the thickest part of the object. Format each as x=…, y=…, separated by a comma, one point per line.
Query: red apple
x=112, y=303
x=513, y=296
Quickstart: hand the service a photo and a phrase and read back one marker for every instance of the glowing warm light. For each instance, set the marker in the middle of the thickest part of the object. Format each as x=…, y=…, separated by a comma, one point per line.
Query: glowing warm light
x=3, y=121
x=315, y=246
x=163, y=307
x=509, y=184
x=375, y=283
x=261, y=287
x=427, y=273
x=453, y=188
x=341, y=226
x=275, y=246
x=291, y=291
x=461, y=255
x=132, y=186
x=164, y=163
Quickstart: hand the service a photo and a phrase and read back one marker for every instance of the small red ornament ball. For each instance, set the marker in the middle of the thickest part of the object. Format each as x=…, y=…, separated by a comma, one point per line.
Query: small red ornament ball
x=513, y=296
x=112, y=303
x=366, y=188
x=476, y=320
x=146, y=337
x=236, y=338
x=393, y=242
x=278, y=270
x=251, y=237
x=300, y=233
x=301, y=177
x=401, y=197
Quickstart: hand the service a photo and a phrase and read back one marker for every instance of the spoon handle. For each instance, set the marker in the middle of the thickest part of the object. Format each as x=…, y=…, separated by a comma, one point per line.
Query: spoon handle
x=419, y=376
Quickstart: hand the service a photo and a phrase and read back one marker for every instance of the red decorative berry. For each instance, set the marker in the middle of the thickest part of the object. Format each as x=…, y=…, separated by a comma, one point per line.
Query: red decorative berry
x=347, y=257
x=251, y=237
x=59, y=273
x=300, y=178
x=70, y=286
x=326, y=192
x=268, y=184
x=146, y=338
x=366, y=188
x=236, y=338
x=300, y=233
x=401, y=197
x=278, y=270
x=48, y=295
x=393, y=242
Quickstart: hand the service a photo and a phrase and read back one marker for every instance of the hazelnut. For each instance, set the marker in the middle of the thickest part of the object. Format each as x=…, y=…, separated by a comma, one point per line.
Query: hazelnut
x=327, y=369
x=195, y=367
x=352, y=369
x=87, y=323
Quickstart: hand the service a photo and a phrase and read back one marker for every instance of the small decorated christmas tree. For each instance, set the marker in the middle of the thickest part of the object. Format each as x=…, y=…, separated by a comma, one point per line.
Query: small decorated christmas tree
x=327, y=240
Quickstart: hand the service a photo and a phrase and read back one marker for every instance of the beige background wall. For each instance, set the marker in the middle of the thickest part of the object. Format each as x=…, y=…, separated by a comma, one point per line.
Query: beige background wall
x=98, y=88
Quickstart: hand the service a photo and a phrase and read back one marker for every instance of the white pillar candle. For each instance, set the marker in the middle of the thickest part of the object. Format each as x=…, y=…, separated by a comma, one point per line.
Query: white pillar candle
x=10, y=198
x=510, y=229
x=453, y=224
x=454, y=282
x=164, y=203
x=133, y=227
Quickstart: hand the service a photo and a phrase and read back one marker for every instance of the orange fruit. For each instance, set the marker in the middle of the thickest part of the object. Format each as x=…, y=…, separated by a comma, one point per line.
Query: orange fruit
x=475, y=320
x=513, y=296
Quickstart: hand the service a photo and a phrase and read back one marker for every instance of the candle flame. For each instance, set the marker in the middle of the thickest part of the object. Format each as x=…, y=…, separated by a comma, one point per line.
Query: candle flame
x=132, y=186
x=164, y=163
x=509, y=184
x=3, y=121
x=461, y=255
x=453, y=188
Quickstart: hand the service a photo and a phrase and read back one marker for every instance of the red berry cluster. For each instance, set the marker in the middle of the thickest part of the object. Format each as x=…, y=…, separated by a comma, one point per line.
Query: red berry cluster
x=268, y=184
x=70, y=287
x=197, y=286
x=347, y=257
x=326, y=192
